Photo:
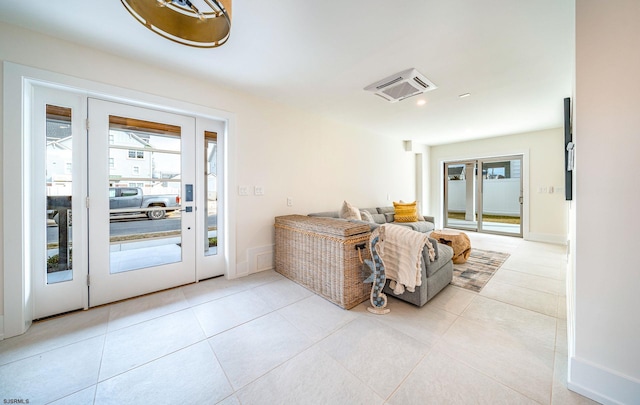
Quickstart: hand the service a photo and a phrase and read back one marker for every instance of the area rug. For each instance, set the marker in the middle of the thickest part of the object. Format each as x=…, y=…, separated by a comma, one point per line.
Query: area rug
x=479, y=268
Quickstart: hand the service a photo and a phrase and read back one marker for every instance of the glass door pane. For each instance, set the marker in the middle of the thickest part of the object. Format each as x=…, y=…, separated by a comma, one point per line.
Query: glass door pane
x=502, y=195
x=210, y=220
x=144, y=194
x=211, y=193
x=460, y=195
x=59, y=190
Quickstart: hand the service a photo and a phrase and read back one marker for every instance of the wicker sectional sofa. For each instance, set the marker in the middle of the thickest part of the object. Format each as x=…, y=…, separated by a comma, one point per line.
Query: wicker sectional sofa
x=318, y=252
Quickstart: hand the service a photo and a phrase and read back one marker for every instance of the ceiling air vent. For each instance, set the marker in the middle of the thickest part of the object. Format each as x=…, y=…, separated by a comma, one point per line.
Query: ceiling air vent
x=402, y=85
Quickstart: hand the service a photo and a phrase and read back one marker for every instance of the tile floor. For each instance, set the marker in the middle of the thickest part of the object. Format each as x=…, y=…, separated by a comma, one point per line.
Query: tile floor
x=263, y=339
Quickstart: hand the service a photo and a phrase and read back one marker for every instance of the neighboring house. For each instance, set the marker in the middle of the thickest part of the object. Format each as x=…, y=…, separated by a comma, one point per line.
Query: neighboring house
x=129, y=163
x=59, y=149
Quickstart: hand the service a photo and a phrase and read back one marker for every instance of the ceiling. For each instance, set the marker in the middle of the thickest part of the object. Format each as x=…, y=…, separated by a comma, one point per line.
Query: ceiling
x=515, y=57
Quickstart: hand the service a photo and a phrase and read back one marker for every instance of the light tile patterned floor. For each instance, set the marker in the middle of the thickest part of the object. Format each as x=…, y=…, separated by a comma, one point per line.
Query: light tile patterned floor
x=265, y=340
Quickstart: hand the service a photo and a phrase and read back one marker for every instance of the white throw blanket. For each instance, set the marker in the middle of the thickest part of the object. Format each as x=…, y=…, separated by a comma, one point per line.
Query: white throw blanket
x=401, y=253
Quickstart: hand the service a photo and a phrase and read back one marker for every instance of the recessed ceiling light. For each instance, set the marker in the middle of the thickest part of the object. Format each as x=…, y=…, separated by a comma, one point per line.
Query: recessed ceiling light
x=464, y=95
x=421, y=102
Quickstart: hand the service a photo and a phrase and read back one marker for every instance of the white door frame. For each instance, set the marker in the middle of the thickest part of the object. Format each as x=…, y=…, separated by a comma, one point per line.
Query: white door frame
x=17, y=86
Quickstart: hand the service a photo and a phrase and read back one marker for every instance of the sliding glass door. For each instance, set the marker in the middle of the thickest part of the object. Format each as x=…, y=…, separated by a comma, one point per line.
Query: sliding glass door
x=484, y=195
x=501, y=195
x=460, y=197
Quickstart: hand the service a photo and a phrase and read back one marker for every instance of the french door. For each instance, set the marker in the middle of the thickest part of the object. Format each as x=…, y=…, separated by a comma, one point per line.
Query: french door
x=132, y=202
x=141, y=201
x=484, y=195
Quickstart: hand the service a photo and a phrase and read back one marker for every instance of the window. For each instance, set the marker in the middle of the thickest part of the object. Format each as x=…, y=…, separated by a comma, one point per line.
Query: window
x=111, y=139
x=128, y=192
x=136, y=169
x=136, y=154
x=500, y=170
x=495, y=173
x=111, y=163
x=68, y=167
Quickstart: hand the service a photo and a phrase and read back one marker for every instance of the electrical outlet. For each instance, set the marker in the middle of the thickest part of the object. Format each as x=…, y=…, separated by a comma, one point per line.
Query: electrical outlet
x=289, y=202
x=243, y=190
x=258, y=190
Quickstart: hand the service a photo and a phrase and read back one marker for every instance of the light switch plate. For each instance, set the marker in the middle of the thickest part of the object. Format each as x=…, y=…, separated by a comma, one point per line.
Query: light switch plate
x=243, y=190
x=258, y=190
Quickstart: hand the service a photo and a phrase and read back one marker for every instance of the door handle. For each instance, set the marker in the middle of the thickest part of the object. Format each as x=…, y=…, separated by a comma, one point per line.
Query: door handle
x=520, y=199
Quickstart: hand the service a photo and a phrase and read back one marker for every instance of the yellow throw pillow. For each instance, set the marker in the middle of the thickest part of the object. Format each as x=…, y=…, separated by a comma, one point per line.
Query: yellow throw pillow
x=405, y=212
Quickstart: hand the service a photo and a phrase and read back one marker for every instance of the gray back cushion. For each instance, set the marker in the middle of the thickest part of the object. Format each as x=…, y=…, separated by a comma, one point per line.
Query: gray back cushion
x=386, y=210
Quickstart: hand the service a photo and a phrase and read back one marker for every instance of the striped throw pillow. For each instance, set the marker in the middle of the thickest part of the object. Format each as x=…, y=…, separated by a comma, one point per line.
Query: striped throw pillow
x=405, y=212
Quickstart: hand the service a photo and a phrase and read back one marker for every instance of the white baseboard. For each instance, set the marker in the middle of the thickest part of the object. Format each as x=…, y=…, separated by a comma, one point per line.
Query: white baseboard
x=601, y=384
x=546, y=238
x=242, y=269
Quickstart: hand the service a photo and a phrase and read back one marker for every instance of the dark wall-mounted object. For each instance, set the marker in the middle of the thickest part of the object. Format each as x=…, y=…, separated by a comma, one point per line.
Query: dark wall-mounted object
x=568, y=138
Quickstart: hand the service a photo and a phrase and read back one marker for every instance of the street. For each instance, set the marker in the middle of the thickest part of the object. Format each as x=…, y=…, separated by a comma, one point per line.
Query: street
x=132, y=226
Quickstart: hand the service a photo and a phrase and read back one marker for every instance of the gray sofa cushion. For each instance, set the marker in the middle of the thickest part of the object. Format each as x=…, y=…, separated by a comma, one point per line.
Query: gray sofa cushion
x=371, y=210
x=386, y=210
x=446, y=254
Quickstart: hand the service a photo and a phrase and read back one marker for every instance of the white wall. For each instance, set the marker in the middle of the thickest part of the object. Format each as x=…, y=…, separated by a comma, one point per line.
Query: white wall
x=604, y=355
x=547, y=215
x=290, y=153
